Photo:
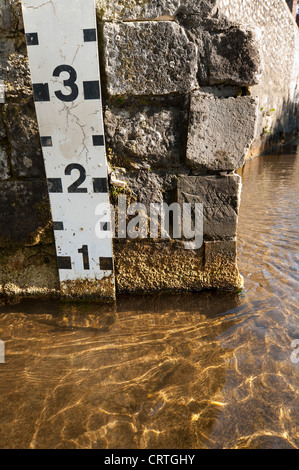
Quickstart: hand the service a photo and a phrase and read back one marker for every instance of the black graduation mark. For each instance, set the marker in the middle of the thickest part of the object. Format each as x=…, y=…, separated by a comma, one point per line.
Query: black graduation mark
x=54, y=185
x=41, y=92
x=100, y=185
x=89, y=35
x=64, y=262
x=32, y=39
x=106, y=264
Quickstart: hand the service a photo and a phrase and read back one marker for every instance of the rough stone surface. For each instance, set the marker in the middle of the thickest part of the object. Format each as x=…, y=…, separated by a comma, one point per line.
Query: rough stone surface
x=2, y=129
x=221, y=255
x=30, y=271
x=24, y=213
x=231, y=56
x=146, y=266
x=11, y=17
x=220, y=196
x=148, y=187
x=149, y=58
x=278, y=89
x=22, y=131
x=15, y=72
x=132, y=9
x=150, y=9
x=221, y=131
x=4, y=169
x=146, y=136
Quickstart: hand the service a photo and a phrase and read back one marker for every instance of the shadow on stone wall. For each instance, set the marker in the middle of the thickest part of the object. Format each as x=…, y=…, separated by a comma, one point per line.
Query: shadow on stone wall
x=279, y=127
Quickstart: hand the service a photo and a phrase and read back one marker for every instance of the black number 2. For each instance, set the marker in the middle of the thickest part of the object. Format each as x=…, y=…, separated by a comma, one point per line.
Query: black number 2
x=74, y=188
x=70, y=82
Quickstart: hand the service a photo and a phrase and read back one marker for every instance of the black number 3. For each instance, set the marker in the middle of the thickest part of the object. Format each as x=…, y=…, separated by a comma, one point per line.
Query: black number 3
x=70, y=83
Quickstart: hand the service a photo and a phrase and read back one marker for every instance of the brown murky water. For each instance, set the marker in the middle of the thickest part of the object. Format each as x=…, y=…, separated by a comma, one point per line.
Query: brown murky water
x=207, y=370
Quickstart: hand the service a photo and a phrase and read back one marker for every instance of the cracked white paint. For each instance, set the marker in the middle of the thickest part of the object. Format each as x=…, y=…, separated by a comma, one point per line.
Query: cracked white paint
x=59, y=25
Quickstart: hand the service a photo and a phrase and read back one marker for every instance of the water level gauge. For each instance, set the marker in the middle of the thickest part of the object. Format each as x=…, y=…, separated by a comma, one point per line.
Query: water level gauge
x=62, y=45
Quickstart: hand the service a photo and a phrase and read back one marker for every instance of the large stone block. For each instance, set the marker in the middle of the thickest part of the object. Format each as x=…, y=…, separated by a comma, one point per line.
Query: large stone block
x=229, y=55
x=24, y=213
x=220, y=196
x=146, y=137
x=149, y=58
x=145, y=266
x=221, y=131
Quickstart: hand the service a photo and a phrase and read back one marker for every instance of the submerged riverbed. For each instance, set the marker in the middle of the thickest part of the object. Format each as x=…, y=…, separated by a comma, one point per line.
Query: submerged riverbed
x=207, y=370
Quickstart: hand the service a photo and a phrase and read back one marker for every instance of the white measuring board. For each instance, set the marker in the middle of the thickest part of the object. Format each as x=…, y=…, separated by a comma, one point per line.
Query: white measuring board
x=62, y=46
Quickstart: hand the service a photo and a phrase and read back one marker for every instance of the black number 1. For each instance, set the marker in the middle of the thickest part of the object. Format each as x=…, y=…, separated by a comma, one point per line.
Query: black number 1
x=69, y=83
x=84, y=252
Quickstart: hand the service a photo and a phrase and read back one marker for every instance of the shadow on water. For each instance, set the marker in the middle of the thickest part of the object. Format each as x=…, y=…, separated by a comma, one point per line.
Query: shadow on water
x=208, y=370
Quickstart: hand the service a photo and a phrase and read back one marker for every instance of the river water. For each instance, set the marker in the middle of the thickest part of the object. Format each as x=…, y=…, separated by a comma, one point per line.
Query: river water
x=208, y=370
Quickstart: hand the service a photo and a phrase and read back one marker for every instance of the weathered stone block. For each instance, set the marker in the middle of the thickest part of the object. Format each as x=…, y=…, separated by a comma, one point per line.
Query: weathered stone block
x=148, y=187
x=147, y=266
x=146, y=137
x=149, y=58
x=4, y=168
x=220, y=196
x=22, y=130
x=220, y=131
x=24, y=213
x=230, y=56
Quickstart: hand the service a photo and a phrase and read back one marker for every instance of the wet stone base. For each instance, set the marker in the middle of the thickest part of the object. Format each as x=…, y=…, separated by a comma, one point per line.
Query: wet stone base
x=140, y=267
x=167, y=266
x=29, y=271
x=103, y=289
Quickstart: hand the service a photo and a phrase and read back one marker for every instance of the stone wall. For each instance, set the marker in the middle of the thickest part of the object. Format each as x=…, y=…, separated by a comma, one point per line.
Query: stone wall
x=278, y=89
x=190, y=89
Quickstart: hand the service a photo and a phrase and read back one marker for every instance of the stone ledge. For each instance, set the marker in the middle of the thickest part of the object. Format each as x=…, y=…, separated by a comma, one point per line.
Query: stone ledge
x=220, y=196
x=221, y=131
x=145, y=266
x=28, y=271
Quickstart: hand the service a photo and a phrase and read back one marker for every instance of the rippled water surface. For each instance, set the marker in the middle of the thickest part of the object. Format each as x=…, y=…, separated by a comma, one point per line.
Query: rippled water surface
x=207, y=370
